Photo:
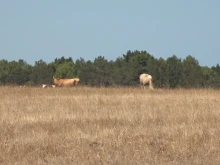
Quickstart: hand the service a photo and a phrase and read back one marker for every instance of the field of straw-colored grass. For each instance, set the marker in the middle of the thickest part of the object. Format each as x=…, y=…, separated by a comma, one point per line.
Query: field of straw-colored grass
x=83, y=125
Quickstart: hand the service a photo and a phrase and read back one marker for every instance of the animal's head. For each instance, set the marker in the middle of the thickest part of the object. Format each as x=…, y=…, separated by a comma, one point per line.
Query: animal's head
x=55, y=78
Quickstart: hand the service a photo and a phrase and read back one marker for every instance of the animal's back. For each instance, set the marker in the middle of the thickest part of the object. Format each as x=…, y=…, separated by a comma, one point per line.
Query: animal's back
x=63, y=82
x=68, y=82
x=145, y=79
x=143, y=76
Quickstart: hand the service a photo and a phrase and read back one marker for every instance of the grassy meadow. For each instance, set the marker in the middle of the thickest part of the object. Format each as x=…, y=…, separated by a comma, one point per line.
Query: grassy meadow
x=84, y=125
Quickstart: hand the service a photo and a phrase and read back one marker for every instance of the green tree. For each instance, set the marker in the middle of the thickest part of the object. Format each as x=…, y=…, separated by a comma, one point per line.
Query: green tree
x=216, y=69
x=137, y=62
x=18, y=72
x=209, y=77
x=4, y=71
x=79, y=70
x=65, y=70
x=215, y=76
x=88, y=74
x=174, y=70
x=160, y=78
x=118, y=74
x=102, y=70
x=52, y=67
x=62, y=60
x=192, y=73
x=40, y=73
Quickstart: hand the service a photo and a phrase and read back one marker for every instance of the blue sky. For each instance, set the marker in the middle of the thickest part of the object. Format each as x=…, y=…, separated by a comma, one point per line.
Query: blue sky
x=47, y=29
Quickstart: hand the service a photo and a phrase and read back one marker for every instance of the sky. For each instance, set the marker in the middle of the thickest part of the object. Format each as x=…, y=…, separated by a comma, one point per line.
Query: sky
x=47, y=29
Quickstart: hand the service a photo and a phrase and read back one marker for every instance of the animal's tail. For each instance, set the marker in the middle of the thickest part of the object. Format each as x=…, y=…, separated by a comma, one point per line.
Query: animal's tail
x=151, y=84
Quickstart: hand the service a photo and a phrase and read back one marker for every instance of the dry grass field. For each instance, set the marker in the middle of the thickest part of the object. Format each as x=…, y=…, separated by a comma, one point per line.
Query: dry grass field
x=83, y=125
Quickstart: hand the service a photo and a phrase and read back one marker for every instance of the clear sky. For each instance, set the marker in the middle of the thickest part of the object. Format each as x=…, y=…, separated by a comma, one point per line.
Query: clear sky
x=47, y=29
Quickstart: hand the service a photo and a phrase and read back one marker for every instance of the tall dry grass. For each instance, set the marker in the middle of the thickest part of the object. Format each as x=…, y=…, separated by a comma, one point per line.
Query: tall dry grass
x=109, y=126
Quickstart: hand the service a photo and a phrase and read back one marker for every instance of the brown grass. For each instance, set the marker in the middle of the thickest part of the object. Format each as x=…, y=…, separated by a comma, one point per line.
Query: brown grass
x=84, y=125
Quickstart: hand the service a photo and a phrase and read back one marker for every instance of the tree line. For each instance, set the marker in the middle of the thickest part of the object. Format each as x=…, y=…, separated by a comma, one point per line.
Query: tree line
x=172, y=72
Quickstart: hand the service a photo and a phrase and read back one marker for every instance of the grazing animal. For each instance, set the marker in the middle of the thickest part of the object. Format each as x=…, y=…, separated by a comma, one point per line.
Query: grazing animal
x=146, y=79
x=53, y=86
x=77, y=80
x=63, y=82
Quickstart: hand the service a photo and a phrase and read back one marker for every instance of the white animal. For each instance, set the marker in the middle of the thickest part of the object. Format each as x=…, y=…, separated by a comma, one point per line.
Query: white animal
x=146, y=79
x=44, y=85
x=53, y=86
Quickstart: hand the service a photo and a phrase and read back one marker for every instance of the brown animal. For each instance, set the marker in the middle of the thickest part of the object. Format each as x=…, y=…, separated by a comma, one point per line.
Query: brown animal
x=63, y=82
x=146, y=79
x=77, y=80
